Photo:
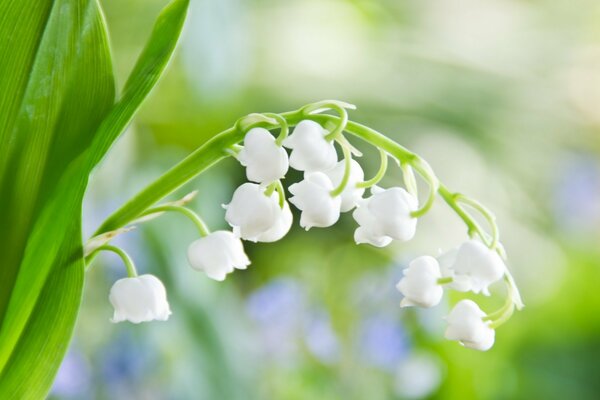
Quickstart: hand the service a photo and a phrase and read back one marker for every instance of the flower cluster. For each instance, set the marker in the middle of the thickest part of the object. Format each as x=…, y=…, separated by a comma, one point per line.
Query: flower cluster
x=259, y=212
x=471, y=267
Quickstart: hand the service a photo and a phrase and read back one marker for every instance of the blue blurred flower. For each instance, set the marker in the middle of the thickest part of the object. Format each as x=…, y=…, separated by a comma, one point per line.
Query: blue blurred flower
x=383, y=343
x=73, y=378
x=577, y=194
x=279, y=308
x=321, y=339
x=125, y=361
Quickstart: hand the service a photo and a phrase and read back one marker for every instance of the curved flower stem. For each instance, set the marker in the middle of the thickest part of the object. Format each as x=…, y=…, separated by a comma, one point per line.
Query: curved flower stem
x=485, y=212
x=445, y=280
x=380, y=172
x=131, y=271
x=200, y=225
x=504, y=317
x=335, y=105
x=409, y=179
x=281, y=192
x=276, y=186
x=283, y=125
x=347, y=166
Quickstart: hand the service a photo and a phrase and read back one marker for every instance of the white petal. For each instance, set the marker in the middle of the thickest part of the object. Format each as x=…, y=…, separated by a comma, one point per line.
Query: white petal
x=264, y=160
x=281, y=227
x=251, y=213
x=419, y=284
x=139, y=299
x=313, y=197
x=310, y=150
x=479, y=264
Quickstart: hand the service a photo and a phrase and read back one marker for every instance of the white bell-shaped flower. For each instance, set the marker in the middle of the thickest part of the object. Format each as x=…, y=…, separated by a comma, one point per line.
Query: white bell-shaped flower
x=139, y=299
x=264, y=160
x=313, y=197
x=385, y=216
x=476, y=267
x=250, y=213
x=281, y=228
x=217, y=254
x=466, y=324
x=310, y=150
x=351, y=195
x=420, y=285
x=461, y=283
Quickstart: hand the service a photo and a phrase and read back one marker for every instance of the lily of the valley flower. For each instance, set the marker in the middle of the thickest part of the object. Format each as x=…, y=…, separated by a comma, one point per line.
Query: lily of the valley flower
x=217, y=254
x=461, y=283
x=351, y=194
x=476, y=267
x=420, y=285
x=466, y=324
x=139, y=299
x=264, y=160
x=385, y=216
x=313, y=197
x=252, y=214
x=310, y=150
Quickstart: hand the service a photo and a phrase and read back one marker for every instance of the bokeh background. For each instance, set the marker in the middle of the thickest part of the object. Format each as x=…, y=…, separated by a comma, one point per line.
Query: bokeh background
x=502, y=97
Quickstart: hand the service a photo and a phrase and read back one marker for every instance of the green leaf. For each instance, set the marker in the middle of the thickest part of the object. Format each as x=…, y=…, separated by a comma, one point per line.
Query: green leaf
x=57, y=122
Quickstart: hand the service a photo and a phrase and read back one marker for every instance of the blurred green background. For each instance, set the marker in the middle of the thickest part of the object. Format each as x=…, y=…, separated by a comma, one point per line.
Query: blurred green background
x=502, y=97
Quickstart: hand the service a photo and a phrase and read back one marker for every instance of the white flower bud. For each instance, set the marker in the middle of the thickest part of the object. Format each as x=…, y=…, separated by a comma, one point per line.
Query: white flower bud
x=313, y=197
x=310, y=150
x=385, y=216
x=466, y=324
x=264, y=160
x=351, y=195
x=476, y=267
x=250, y=213
x=217, y=254
x=281, y=228
x=139, y=299
x=420, y=283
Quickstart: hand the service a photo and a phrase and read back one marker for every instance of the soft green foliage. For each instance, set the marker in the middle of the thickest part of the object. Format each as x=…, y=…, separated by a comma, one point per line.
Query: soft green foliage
x=58, y=118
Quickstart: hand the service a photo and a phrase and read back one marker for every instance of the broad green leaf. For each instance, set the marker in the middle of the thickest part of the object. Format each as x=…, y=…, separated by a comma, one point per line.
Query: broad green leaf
x=58, y=121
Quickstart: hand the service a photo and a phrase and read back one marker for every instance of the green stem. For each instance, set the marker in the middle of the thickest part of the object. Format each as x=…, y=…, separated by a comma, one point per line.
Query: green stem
x=200, y=225
x=347, y=166
x=487, y=214
x=409, y=179
x=445, y=280
x=283, y=125
x=380, y=173
x=281, y=192
x=131, y=271
x=505, y=316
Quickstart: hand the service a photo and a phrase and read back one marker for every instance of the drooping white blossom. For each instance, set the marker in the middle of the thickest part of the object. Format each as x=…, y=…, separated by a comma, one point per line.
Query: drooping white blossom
x=310, y=150
x=466, y=324
x=217, y=254
x=264, y=160
x=351, y=195
x=385, y=216
x=476, y=267
x=461, y=283
x=280, y=228
x=139, y=299
x=420, y=285
x=251, y=213
x=313, y=197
